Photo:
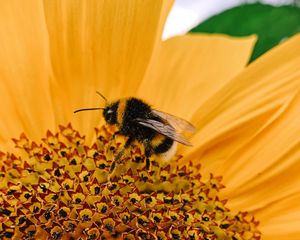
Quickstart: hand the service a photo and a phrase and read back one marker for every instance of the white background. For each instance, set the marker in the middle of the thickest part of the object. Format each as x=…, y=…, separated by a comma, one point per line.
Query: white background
x=186, y=14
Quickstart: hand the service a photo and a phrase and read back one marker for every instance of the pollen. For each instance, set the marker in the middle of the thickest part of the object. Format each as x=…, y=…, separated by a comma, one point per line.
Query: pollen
x=62, y=188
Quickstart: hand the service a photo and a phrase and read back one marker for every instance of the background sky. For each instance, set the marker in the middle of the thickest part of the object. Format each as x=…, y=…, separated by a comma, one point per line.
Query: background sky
x=186, y=14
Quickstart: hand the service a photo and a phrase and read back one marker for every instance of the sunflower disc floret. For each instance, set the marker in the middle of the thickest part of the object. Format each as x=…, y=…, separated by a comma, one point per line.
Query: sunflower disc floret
x=62, y=188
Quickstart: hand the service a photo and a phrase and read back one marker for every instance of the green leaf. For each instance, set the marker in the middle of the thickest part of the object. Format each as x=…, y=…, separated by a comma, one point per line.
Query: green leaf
x=271, y=24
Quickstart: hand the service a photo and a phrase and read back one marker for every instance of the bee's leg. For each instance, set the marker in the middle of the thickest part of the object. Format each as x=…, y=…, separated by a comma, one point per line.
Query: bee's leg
x=114, y=135
x=120, y=154
x=148, y=163
x=148, y=153
x=112, y=139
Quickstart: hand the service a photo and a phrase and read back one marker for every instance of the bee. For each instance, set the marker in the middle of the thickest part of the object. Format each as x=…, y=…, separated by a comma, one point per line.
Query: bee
x=158, y=131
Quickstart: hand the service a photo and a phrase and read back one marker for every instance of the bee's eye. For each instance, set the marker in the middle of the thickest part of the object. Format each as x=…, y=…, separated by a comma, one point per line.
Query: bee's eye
x=109, y=112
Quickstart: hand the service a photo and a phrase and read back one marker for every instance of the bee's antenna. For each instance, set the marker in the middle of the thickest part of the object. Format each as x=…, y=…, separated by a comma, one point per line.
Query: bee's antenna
x=101, y=96
x=87, y=109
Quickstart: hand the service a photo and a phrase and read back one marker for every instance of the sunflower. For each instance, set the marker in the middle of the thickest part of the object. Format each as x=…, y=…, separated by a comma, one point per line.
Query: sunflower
x=55, y=180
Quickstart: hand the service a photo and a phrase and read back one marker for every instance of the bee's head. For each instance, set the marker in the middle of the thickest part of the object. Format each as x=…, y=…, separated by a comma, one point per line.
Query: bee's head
x=110, y=113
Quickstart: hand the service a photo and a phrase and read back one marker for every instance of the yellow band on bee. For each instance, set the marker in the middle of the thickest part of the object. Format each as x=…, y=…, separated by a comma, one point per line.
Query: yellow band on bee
x=121, y=109
x=157, y=140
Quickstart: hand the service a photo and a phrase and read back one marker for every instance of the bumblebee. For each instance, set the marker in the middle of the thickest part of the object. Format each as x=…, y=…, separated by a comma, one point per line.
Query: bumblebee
x=158, y=131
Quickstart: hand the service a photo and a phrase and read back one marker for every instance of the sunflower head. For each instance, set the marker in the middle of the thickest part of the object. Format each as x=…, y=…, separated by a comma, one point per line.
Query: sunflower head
x=61, y=187
x=58, y=185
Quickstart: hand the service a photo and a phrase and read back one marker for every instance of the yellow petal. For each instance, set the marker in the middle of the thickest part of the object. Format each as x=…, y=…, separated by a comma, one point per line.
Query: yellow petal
x=281, y=219
x=191, y=68
x=242, y=111
x=267, y=169
x=100, y=45
x=24, y=70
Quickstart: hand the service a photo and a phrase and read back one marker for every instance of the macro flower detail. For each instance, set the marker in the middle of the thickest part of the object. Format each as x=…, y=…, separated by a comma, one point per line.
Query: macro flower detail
x=61, y=188
x=56, y=54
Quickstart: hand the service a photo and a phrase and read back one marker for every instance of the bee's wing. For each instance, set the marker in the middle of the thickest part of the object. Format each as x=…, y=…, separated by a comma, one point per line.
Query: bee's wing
x=164, y=129
x=179, y=124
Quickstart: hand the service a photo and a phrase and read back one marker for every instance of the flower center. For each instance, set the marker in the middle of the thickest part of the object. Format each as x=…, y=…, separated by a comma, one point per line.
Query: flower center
x=63, y=189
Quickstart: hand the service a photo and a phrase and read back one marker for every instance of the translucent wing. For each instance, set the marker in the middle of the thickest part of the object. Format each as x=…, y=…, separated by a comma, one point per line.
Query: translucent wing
x=179, y=124
x=164, y=129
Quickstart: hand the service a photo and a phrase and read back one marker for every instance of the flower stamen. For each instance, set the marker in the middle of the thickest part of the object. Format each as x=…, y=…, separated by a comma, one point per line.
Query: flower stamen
x=62, y=188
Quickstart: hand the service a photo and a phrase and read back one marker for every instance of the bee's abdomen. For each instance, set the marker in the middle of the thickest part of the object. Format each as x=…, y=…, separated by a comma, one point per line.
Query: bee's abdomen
x=161, y=144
